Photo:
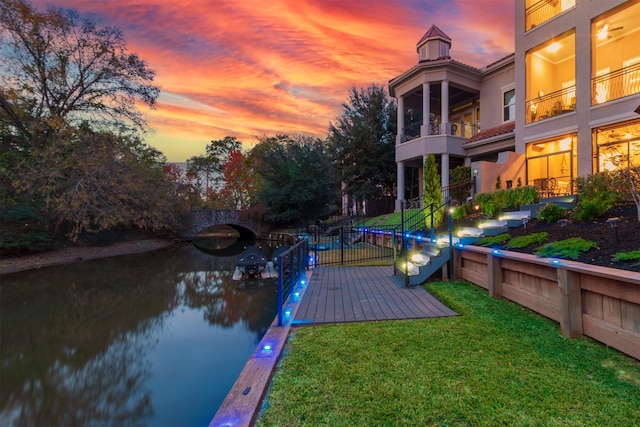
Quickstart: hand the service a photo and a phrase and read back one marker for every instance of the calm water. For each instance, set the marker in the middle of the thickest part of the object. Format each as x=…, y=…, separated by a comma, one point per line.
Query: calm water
x=154, y=339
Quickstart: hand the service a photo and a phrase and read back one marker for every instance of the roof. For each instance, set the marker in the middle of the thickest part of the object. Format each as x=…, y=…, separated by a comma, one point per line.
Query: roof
x=492, y=132
x=434, y=32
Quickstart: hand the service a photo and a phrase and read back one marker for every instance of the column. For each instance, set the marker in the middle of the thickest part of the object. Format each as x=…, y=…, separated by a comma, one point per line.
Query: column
x=400, y=183
x=445, y=127
x=400, y=135
x=445, y=169
x=425, y=129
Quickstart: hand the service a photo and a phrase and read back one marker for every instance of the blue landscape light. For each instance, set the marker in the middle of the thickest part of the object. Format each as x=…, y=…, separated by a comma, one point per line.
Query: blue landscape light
x=556, y=262
x=287, y=312
x=495, y=252
x=267, y=348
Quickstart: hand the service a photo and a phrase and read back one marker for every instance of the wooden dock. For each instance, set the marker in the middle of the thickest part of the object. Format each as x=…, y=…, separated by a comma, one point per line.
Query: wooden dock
x=361, y=294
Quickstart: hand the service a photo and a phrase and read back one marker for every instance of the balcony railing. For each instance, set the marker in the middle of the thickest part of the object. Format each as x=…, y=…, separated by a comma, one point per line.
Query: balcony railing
x=458, y=128
x=617, y=84
x=554, y=104
x=544, y=10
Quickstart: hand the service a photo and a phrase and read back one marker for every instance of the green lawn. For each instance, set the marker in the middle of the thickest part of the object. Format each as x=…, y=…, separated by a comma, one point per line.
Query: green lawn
x=495, y=364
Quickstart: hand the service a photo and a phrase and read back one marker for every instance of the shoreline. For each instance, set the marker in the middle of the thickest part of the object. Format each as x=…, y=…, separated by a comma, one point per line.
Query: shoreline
x=72, y=254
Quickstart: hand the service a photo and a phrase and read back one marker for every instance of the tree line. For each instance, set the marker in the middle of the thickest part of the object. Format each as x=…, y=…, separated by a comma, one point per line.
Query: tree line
x=74, y=165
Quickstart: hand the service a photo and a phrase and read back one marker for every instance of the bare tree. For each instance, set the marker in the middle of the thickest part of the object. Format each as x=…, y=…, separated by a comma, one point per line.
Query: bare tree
x=56, y=67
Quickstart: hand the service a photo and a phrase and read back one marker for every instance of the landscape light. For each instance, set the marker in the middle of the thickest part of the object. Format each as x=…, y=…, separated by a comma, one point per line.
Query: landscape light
x=266, y=348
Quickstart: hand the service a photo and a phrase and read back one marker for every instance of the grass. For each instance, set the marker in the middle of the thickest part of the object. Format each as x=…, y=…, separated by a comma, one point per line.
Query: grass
x=527, y=240
x=568, y=248
x=495, y=364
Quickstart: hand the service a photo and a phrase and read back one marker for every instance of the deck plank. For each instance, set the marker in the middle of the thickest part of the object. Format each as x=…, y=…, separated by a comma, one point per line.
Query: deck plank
x=357, y=294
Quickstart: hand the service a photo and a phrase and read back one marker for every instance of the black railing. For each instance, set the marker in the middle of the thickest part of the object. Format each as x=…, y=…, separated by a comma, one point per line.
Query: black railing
x=415, y=223
x=460, y=191
x=614, y=85
x=556, y=103
x=292, y=266
x=352, y=243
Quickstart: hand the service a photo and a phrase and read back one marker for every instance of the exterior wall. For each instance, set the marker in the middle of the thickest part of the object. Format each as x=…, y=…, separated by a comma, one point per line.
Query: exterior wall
x=602, y=303
x=491, y=90
x=510, y=166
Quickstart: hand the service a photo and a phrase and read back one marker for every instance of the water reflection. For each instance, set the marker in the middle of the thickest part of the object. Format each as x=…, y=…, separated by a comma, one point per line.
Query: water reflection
x=146, y=339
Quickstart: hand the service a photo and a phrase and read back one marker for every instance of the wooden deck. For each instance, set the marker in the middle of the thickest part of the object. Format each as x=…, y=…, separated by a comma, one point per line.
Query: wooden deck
x=360, y=294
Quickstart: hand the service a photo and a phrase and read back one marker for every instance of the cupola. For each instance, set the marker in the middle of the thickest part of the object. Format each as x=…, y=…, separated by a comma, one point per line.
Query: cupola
x=435, y=44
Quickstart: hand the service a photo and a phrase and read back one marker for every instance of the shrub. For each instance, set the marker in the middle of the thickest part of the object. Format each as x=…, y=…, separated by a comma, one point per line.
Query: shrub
x=569, y=248
x=627, y=256
x=528, y=240
x=459, y=212
x=500, y=239
x=551, y=212
x=519, y=196
x=597, y=193
x=590, y=209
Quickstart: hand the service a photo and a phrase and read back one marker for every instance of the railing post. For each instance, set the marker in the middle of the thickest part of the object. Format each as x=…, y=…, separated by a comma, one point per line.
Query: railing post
x=450, y=242
x=280, y=274
x=432, y=234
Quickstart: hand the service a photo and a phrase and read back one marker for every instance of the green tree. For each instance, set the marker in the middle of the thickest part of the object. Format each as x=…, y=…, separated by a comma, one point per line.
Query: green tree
x=433, y=190
x=297, y=182
x=207, y=170
x=94, y=181
x=362, y=143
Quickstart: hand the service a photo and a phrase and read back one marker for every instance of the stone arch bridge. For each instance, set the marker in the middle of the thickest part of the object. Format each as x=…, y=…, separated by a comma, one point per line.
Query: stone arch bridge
x=202, y=219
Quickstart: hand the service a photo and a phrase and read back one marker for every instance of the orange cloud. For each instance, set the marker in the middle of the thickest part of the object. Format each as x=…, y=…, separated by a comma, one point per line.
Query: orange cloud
x=249, y=68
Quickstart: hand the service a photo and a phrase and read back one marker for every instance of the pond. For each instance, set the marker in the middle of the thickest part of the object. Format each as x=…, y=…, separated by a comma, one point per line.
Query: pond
x=154, y=339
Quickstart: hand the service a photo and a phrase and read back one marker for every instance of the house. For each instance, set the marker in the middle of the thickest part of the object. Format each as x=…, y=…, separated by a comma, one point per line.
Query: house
x=564, y=104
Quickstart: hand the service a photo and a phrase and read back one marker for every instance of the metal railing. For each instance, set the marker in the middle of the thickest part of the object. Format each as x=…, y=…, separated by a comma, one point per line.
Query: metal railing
x=550, y=105
x=460, y=191
x=415, y=224
x=541, y=12
x=292, y=266
x=352, y=243
x=458, y=128
x=614, y=85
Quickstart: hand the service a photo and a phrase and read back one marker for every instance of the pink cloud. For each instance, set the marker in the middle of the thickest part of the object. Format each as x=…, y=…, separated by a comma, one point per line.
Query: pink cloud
x=254, y=67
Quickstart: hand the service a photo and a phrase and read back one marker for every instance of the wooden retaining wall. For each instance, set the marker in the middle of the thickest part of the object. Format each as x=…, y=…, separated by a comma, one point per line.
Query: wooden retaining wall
x=602, y=303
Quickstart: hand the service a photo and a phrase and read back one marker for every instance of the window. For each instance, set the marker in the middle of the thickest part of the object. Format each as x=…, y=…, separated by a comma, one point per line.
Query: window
x=509, y=105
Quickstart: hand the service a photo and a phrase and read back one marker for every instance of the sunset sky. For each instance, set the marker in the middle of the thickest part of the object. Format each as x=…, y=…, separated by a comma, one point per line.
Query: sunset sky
x=250, y=68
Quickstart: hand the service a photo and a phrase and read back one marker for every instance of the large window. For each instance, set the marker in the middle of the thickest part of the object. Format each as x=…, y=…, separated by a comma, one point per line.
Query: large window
x=551, y=165
x=616, y=54
x=550, y=78
x=617, y=147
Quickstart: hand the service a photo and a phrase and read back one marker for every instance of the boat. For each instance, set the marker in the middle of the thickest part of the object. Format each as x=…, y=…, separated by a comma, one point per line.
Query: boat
x=278, y=253
x=252, y=261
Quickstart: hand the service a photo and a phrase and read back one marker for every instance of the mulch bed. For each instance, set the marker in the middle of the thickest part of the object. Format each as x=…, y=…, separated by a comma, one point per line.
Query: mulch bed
x=599, y=231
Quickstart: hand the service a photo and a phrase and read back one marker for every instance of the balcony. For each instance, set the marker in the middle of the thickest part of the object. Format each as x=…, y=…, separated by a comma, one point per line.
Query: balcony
x=458, y=128
x=614, y=85
x=554, y=104
x=544, y=10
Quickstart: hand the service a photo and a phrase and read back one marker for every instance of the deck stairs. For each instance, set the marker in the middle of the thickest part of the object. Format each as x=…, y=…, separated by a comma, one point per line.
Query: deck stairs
x=423, y=261
x=426, y=255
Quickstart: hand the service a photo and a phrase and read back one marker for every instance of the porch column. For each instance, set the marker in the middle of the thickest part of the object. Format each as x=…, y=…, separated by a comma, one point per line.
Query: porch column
x=400, y=135
x=425, y=129
x=445, y=127
x=445, y=169
x=400, y=183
